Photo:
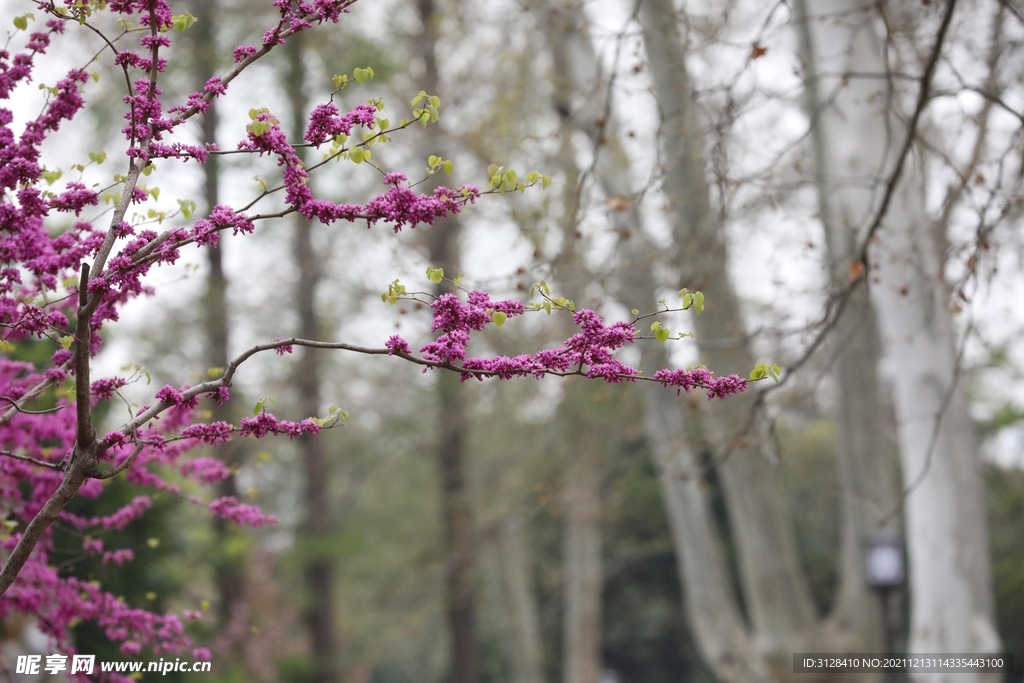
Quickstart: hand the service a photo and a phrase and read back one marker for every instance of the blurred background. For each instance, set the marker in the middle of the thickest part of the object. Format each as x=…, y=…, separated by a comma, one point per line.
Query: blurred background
x=568, y=530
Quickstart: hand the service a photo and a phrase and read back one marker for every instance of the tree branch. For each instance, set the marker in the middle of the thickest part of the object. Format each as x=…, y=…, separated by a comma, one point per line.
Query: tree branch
x=923, y=97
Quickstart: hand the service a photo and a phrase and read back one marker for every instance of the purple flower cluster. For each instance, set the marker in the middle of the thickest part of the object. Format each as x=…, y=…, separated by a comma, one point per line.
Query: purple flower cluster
x=228, y=507
x=589, y=352
x=717, y=387
x=457, y=320
x=325, y=123
x=400, y=205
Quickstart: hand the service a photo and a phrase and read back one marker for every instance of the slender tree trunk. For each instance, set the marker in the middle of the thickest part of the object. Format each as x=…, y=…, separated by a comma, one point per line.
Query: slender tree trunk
x=458, y=514
x=514, y=554
x=319, y=566
x=867, y=473
x=950, y=578
x=229, y=567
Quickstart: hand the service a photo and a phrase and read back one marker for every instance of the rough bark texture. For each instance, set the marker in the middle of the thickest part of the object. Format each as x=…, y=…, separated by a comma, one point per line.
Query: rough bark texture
x=457, y=509
x=319, y=567
x=867, y=472
x=951, y=594
x=229, y=569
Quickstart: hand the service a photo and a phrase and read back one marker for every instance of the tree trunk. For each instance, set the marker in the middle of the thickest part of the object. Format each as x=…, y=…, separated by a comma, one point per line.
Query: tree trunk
x=950, y=579
x=514, y=554
x=775, y=591
x=230, y=561
x=585, y=442
x=868, y=475
x=710, y=604
x=319, y=566
x=459, y=530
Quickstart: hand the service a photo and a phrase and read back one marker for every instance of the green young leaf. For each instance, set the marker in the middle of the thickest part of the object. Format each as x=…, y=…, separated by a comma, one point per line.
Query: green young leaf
x=662, y=334
x=448, y=167
x=51, y=176
x=259, y=406
x=98, y=157
x=6, y=346
x=188, y=207
x=180, y=22
x=419, y=98
x=435, y=275
x=153, y=542
x=635, y=311
x=357, y=155
x=760, y=371
x=21, y=22
x=66, y=341
x=498, y=318
x=698, y=301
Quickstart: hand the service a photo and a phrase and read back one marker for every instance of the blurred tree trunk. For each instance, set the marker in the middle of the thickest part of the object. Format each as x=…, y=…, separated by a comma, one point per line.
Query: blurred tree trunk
x=584, y=443
x=781, y=615
x=230, y=561
x=775, y=591
x=711, y=606
x=582, y=577
x=319, y=566
x=950, y=577
x=514, y=554
x=443, y=245
x=867, y=472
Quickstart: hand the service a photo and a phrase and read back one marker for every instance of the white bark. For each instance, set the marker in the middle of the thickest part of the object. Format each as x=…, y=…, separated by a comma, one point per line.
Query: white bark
x=714, y=616
x=867, y=471
x=776, y=593
x=951, y=595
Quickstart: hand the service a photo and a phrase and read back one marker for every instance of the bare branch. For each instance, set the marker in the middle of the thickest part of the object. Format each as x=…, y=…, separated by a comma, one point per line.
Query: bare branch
x=923, y=96
x=41, y=463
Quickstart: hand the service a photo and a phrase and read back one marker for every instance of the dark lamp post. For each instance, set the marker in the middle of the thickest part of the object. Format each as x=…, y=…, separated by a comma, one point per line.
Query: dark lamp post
x=885, y=570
